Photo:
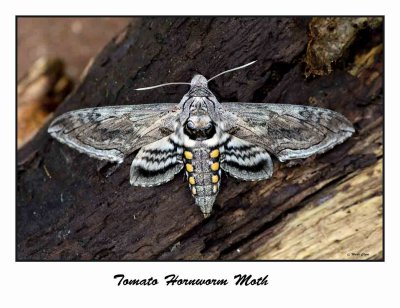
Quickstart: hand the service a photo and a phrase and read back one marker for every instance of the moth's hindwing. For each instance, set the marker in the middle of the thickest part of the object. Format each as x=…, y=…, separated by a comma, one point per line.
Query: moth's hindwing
x=157, y=163
x=246, y=161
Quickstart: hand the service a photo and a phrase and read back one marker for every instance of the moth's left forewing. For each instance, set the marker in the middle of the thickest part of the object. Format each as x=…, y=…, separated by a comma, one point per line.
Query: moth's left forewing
x=288, y=131
x=113, y=132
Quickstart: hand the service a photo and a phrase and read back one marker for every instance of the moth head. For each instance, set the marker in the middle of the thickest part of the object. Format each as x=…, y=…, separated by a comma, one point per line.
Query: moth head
x=198, y=81
x=199, y=127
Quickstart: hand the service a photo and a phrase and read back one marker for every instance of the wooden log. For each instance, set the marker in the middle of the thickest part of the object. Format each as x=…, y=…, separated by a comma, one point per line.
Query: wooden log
x=72, y=207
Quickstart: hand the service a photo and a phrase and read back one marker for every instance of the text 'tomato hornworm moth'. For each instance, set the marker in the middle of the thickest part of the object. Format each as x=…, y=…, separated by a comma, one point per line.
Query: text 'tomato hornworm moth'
x=201, y=135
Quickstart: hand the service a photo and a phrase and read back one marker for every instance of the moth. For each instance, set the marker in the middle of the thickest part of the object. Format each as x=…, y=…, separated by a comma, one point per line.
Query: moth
x=201, y=136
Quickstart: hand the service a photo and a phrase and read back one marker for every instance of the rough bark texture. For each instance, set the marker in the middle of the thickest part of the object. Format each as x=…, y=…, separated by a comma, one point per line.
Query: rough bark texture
x=72, y=207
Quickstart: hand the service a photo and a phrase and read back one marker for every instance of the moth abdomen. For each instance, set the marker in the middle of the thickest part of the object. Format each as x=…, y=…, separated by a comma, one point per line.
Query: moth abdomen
x=203, y=173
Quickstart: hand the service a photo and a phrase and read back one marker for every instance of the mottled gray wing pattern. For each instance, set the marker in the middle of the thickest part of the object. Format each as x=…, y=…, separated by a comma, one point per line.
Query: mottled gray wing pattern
x=287, y=131
x=113, y=132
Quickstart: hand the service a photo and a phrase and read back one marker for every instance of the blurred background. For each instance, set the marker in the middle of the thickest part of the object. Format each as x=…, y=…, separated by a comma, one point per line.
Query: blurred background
x=52, y=53
x=74, y=40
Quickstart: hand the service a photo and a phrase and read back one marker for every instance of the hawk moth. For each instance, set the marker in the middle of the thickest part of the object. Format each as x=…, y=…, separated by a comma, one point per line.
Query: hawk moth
x=202, y=136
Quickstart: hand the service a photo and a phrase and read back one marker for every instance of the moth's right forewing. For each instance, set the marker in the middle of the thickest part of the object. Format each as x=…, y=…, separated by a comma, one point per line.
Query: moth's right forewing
x=112, y=133
x=288, y=131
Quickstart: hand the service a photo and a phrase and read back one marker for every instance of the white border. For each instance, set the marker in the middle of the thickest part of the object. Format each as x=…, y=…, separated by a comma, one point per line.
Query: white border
x=295, y=284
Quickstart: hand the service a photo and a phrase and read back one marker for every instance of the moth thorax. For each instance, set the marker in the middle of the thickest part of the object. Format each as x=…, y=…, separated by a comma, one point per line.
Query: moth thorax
x=198, y=106
x=199, y=127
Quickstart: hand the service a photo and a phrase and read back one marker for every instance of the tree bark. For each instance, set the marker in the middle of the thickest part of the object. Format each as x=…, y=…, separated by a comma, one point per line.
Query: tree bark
x=73, y=207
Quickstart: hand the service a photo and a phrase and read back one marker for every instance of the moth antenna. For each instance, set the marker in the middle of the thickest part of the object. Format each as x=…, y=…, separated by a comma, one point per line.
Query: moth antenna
x=161, y=85
x=232, y=69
